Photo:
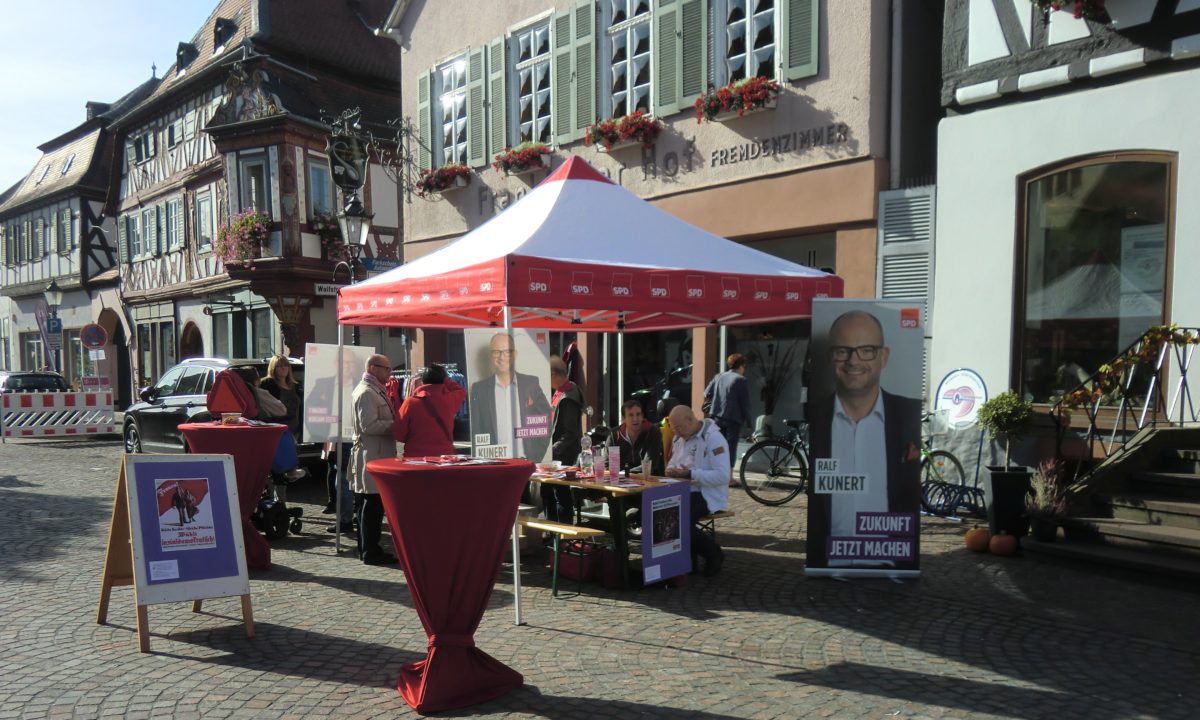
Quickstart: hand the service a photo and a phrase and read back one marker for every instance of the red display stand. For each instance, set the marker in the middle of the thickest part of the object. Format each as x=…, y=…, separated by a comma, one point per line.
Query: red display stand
x=450, y=525
x=253, y=449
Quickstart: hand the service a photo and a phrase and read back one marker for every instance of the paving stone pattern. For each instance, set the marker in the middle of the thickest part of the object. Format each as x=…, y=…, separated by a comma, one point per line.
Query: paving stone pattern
x=976, y=637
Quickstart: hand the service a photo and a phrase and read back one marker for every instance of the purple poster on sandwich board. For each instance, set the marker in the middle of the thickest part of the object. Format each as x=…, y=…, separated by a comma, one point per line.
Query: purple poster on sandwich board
x=666, y=538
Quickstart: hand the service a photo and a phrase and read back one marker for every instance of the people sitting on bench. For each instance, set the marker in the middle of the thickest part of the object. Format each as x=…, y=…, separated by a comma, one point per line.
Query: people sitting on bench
x=699, y=455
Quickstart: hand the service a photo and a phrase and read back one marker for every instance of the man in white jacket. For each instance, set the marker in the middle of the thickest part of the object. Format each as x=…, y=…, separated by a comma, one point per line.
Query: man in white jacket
x=699, y=453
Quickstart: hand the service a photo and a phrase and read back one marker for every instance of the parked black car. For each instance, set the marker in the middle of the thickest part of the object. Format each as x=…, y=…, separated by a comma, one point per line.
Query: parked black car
x=179, y=396
x=33, y=382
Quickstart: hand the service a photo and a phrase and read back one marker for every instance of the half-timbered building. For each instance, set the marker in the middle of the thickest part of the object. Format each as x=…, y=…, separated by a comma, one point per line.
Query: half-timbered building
x=234, y=125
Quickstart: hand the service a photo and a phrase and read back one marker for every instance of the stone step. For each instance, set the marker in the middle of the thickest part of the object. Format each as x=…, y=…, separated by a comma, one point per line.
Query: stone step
x=1117, y=556
x=1164, y=511
x=1181, y=460
x=1131, y=534
x=1184, y=486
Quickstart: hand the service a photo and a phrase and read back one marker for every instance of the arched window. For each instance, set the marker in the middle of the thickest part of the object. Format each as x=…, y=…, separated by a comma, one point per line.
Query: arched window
x=1095, y=256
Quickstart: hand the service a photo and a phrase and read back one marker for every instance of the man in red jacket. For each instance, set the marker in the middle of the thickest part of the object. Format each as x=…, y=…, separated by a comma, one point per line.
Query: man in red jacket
x=425, y=423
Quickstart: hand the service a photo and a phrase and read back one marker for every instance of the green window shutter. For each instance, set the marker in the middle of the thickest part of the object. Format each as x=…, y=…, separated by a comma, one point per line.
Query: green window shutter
x=179, y=223
x=560, y=73
x=693, y=51
x=424, y=134
x=39, y=247
x=476, y=110
x=665, y=68
x=158, y=229
x=4, y=245
x=497, y=98
x=130, y=156
x=798, y=51
x=122, y=239
x=585, y=68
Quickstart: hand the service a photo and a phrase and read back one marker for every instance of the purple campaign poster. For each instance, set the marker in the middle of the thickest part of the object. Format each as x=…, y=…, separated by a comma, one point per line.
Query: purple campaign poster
x=666, y=527
x=184, y=519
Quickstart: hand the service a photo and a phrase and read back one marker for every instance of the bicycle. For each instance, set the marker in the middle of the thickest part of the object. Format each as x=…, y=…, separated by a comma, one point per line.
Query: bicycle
x=944, y=488
x=775, y=470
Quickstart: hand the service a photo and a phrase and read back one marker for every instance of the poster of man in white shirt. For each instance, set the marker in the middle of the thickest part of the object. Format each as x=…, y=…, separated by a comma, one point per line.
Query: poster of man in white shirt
x=508, y=374
x=864, y=416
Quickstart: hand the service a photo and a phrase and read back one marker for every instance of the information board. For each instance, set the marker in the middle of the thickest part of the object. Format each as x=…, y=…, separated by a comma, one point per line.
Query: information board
x=666, y=532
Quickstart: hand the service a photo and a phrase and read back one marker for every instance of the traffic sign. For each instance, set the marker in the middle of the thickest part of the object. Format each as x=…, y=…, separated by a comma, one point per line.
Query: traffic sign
x=54, y=326
x=93, y=336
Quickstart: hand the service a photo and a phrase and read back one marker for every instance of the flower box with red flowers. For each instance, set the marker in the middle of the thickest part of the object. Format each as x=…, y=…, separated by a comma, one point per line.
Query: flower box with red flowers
x=332, y=245
x=636, y=128
x=434, y=181
x=242, y=240
x=524, y=158
x=737, y=99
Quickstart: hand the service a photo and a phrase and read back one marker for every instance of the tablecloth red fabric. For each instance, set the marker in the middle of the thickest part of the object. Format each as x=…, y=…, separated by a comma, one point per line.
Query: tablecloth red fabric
x=253, y=449
x=450, y=525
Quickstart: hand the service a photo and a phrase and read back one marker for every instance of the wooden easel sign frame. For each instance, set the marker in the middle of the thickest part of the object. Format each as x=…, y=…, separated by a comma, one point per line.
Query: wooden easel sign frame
x=176, y=535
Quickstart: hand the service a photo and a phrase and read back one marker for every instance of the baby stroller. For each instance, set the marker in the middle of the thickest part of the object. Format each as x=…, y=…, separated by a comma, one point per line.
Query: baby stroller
x=272, y=516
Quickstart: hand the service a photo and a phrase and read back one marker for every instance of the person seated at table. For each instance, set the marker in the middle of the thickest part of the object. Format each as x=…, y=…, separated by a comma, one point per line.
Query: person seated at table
x=698, y=454
x=425, y=423
x=639, y=440
x=566, y=427
x=281, y=385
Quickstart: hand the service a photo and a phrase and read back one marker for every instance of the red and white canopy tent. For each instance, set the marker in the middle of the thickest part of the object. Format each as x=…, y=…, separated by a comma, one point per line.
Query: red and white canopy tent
x=582, y=254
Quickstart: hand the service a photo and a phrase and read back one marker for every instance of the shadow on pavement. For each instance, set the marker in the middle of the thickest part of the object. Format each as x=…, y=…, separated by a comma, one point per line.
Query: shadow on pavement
x=29, y=519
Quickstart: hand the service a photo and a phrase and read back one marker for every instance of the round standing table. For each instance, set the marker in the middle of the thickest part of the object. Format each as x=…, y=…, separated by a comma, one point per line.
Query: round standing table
x=253, y=449
x=450, y=525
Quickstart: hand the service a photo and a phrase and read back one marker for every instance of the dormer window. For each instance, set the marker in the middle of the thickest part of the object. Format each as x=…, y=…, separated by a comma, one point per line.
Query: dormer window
x=184, y=55
x=223, y=31
x=45, y=169
x=67, y=164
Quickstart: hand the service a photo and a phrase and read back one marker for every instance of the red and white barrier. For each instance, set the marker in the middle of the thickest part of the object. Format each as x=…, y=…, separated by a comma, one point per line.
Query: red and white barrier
x=56, y=414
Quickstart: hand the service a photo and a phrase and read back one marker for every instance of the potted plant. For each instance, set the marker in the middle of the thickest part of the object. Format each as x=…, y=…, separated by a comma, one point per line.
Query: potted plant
x=776, y=366
x=1046, y=502
x=615, y=133
x=524, y=158
x=243, y=238
x=434, y=181
x=736, y=99
x=1093, y=10
x=1007, y=417
x=332, y=245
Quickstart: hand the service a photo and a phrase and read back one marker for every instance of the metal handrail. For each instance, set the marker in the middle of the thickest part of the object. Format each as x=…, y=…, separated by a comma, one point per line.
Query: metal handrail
x=1162, y=353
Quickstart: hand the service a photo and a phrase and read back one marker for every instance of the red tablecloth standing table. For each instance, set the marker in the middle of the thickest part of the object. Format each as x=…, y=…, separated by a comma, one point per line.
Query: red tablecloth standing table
x=253, y=449
x=450, y=525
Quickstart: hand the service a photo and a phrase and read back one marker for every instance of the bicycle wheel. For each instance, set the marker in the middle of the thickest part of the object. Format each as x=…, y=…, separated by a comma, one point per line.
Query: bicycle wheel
x=942, y=466
x=772, y=473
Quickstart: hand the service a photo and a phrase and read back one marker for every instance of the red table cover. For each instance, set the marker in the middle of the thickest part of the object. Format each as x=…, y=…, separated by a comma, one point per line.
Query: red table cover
x=253, y=449
x=450, y=525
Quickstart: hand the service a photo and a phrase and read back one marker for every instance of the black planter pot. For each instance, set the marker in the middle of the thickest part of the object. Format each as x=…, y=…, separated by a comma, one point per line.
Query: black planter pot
x=1005, y=494
x=1043, y=529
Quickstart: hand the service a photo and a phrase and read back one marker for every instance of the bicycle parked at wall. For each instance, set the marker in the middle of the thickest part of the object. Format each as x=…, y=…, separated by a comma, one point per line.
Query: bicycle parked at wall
x=944, y=489
x=775, y=470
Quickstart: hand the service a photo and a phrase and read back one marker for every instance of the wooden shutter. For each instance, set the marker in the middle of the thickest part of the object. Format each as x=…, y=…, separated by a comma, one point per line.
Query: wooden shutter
x=584, y=51
x=693, y=51
x=798, y=34
x=424, y=134
x=4, y=245
x=130, y=156
x=179, y=225
x=39, y=239
x=666, y=58
x=560, y=76
x=905, y=243
x=122, y=239
x=476, y=109
x=497, y=70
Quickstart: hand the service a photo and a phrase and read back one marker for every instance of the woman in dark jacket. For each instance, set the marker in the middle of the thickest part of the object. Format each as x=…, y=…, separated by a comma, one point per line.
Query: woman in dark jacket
x=566, y=433
x=282, y=386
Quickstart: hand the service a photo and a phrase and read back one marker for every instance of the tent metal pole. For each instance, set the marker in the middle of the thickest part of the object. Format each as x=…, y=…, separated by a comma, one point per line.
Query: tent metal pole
x=604, y=372
x=516, y=529
x=620, y=367
x=339, y=461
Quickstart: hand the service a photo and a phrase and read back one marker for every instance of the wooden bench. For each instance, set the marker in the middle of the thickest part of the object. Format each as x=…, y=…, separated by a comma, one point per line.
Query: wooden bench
x=708, y=523
x=558, y=531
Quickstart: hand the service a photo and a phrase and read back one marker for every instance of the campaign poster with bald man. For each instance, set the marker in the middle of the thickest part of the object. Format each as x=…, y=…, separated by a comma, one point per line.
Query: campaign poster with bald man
x=864, y=413
x=508, y=375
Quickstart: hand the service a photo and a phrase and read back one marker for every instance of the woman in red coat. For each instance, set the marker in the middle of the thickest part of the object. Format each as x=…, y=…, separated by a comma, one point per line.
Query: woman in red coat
x=425, y=423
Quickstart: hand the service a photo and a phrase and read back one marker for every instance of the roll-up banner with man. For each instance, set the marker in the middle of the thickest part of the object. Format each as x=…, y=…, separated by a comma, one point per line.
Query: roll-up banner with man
x=864, y=412
x=321, y=390
x=509, y=375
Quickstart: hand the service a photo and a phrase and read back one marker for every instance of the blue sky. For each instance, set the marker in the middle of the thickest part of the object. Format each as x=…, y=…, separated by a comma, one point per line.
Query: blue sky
x=59, y=54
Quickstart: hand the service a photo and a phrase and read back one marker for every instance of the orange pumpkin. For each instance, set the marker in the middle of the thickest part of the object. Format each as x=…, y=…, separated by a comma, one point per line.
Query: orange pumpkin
x=976, y=539
x=1003, y=544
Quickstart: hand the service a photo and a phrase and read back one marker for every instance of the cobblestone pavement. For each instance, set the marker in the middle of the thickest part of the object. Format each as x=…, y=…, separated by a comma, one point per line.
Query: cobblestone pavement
x=976, y=636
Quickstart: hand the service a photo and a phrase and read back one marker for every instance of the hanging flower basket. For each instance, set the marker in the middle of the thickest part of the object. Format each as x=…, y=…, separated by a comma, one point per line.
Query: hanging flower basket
x=524, y=158
x=737, y=99
x=636, y=128
x=435, y=181
x=332, y=246
x=1093, y=10
x=243, y=238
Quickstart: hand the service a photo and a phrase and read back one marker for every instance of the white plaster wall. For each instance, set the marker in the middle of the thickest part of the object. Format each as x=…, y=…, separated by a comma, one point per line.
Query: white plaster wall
x=980, y=157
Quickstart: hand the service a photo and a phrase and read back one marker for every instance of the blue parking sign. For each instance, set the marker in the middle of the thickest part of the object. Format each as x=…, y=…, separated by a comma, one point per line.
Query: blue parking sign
x=54, y=326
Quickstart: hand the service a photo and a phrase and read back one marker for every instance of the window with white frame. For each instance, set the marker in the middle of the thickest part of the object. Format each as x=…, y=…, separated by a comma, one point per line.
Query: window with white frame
x=133, y=233
x=173, y=224
x=143, y=147
x=150, y=231
x=320, y=187
x=204, y=221
x=450, y=111
x=67, y=163
x=626, y=85
x=253, y=178
x=529, y=78
x=745, y=36
x=175, y=133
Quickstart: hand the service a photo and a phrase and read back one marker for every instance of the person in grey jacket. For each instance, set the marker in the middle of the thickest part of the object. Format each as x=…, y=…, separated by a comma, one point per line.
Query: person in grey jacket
x=697, y=455
x=730, y=396
x=373, y=439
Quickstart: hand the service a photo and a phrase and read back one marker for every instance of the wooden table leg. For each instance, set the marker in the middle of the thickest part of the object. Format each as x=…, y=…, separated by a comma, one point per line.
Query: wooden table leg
x=143, y=628
x=196, y=605
x=248, y=616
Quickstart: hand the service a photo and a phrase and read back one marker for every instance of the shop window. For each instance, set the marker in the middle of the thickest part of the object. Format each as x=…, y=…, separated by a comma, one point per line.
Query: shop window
x=1095, y=252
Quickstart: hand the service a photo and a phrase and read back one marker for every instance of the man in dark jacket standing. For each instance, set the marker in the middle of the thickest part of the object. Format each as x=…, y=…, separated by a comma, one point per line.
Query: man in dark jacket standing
x=730, y=396
x=566, y=432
